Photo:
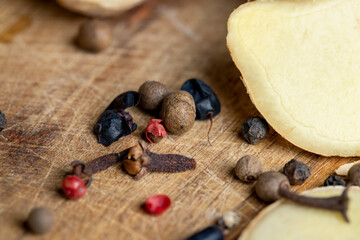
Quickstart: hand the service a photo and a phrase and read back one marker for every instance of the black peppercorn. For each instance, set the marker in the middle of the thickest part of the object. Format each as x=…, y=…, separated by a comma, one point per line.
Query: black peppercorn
x=296, y=171
x=2, y=121
x=248, y=168
x=254, y=129
x=333, y=180
x=40, y=220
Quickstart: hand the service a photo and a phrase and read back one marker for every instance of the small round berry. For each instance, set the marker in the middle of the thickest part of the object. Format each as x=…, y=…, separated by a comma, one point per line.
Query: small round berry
x=248, y=168
x=254, y=129
x=40, y=220
x=152, y=94
x=157, y=204
x=333, y=180
x=94, y=35
x=296, y=171
x=73, y=187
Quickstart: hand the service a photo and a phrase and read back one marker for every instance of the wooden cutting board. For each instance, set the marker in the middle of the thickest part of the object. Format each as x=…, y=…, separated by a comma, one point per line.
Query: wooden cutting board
x=53, y=93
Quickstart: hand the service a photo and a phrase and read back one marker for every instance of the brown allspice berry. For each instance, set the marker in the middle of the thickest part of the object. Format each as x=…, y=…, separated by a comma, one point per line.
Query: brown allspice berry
x=248, y=168
x=152, y=95
x=178, y=112
x=354, y=175
x=40, y=220
x=94, y=35
x=271, y=186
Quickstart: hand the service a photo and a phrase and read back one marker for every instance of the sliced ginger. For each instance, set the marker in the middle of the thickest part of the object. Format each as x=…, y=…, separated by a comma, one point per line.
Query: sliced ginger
x=300, y=63
x=291, y=221
x=99, y=8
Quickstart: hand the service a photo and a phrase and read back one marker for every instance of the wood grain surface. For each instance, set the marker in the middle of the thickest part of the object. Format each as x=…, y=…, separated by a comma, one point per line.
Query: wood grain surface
x=53, y=93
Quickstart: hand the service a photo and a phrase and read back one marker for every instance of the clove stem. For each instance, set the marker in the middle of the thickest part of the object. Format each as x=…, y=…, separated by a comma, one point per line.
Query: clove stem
x=86, y=170
x=339, y=203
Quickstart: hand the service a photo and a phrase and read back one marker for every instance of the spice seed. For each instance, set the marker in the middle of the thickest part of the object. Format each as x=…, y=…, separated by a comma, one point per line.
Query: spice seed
x=40, y=220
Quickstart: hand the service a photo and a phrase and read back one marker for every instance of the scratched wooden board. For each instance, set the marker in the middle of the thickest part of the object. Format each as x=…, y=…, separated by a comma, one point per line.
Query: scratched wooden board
x=53, y=93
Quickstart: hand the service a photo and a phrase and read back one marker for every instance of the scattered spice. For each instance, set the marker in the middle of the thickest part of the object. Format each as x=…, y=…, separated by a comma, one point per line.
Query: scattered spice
x=115, y=123
x=333, y=180
x=157, y=204
x=254, y=129
x=155, y=131
x=296, y=171
x=140, y=160
x=73, y=187
x=3, y=121
x=206, y=102
x=152, y=95
x=273, y=185
x=354, y=175
x=229, y=219
x=209, y=233
x=94, y=35
x=124, y=101
x=178, y=112
x=248, y=168
x=40, y=220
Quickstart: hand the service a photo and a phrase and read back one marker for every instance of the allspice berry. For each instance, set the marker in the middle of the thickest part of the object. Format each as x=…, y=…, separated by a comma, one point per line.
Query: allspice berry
x=94, y=35
x=248, y=168
x=152, y=94
x=354, y=175
x=178, y=112
x=268, y=185
x=40, y=220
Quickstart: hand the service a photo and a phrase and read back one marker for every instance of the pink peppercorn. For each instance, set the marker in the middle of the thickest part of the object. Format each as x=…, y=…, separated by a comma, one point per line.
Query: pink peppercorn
x=73, y=187
x=155, y=131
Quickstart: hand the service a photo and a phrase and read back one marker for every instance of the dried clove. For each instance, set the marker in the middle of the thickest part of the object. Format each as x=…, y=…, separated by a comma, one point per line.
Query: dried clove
x=140, y=160
x=273, y=185
x=74, y=185
x=2, y=121
x=206, y=102
x=86, y=170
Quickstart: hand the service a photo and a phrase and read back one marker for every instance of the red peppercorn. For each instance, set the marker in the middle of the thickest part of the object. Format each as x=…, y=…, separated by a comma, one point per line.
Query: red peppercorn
x=73, y=186
x=157, y=204
x=155, y=131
